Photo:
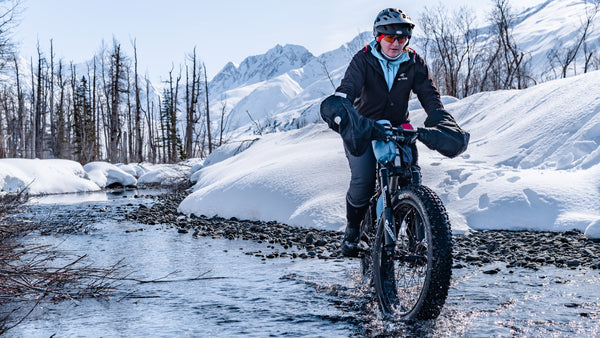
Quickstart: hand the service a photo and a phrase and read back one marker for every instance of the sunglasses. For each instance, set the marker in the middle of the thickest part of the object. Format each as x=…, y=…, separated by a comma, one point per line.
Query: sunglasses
x=392, y=38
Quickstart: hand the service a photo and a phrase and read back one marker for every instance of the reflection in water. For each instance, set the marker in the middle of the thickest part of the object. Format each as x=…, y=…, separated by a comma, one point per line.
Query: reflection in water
x=89, y=197
x=287, y=297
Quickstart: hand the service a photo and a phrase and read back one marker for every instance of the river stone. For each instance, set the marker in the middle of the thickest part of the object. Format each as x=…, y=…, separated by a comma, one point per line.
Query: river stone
x=528, y=249
x=492, y=271
x=472, y=258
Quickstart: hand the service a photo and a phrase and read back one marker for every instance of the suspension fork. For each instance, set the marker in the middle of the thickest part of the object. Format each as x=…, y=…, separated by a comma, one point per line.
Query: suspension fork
x=389, y=226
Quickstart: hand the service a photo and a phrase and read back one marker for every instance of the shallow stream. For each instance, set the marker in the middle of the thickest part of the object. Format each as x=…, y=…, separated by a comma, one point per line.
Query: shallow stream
x=246, y=295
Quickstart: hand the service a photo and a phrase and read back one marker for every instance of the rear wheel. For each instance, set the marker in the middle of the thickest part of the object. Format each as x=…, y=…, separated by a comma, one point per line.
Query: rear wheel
x=412, y=278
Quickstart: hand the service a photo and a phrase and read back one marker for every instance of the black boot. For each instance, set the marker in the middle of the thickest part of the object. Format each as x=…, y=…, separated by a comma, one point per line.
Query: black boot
x=354, y=216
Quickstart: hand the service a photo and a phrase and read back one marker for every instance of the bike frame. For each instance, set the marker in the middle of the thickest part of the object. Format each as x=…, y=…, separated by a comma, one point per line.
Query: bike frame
x=388, y=182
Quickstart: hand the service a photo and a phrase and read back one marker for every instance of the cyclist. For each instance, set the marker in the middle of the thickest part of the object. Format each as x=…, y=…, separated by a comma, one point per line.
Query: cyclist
x=378, y=83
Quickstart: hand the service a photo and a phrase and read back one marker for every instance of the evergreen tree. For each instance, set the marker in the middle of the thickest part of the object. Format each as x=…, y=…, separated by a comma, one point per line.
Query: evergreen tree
x=171, y=140
x=85, y=142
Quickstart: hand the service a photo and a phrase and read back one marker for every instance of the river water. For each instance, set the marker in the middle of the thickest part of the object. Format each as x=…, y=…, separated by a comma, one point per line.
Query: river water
x=251, y=296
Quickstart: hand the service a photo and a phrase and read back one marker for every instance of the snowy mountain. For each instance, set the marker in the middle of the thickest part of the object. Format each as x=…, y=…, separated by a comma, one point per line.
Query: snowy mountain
x=280, y=101
x=276, y=61
x=280, y=97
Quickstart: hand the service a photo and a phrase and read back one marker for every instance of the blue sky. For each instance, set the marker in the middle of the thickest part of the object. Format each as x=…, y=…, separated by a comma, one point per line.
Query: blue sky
x=222, y=31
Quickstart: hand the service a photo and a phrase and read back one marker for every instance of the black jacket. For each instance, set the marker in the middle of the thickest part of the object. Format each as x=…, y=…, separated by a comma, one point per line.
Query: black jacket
x=364, y=85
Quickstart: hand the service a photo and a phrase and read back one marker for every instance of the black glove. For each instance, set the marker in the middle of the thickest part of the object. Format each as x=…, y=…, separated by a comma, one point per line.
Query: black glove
x=333, y=107
x=425, y=135
x=442, y=133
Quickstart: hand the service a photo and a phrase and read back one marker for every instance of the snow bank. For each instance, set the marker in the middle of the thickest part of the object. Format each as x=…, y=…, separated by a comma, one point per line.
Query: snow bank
x=487, y=197
x=593, y=230
x=64, y=176
x=297, y=177
x=165, y=175
x=105, y=174
x=134, y=169
x=44, y=176
x=551, y=125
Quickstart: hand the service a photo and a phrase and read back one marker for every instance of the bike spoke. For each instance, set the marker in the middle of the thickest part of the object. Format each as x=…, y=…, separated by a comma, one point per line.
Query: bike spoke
x=410, y=261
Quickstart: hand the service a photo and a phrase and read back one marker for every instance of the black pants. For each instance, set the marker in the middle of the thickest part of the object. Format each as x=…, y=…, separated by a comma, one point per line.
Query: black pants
x=362, y=179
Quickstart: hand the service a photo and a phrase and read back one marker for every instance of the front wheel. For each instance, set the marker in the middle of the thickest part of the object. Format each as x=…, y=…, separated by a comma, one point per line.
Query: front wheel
x=412, y=278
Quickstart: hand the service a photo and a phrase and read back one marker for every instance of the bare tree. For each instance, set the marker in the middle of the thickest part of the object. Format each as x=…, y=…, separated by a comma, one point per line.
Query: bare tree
x=192, y=89
x=210, y=148
x=175, y=140
x=84, y=124
x=20, y=141
x=61, y=129
x=169, y=110
x=594, y=63
x=38, y=99
x=128, y=145
x=563, y=56
x=10, y=11
x=4, y=120
x=95, y=109
x=327, y=73
x=117, y=77
x=104, y=108
x=505, y=64
x=149, y=120
x=450, y=39
x=138, y=110
x=588, y=54
x=224, y=121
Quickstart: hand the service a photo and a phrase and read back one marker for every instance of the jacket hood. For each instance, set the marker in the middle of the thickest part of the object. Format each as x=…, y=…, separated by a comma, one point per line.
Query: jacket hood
x=403, y=57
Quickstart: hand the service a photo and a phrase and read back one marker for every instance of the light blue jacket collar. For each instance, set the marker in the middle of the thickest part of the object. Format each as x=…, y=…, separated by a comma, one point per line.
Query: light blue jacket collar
x=390, y=68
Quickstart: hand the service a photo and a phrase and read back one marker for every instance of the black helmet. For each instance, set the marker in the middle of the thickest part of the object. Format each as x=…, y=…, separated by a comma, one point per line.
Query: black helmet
x=393, y=22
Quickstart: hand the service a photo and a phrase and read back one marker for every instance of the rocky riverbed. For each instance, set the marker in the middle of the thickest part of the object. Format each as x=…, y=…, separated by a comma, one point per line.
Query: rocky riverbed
x=503, y=283
x=529, y=249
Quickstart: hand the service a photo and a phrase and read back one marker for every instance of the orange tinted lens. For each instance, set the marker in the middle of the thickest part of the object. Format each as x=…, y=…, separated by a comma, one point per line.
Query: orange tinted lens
x=392, y=38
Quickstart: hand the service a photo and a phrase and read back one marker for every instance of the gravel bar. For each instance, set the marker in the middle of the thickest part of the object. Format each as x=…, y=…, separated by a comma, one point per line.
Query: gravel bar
x=528, y=249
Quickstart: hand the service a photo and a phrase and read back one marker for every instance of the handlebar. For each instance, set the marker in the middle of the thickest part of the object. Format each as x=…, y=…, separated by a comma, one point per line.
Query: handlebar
x=402, y=135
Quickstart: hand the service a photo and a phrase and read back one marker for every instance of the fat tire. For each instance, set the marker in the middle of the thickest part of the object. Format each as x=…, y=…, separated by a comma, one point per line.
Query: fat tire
x=367, y=235
x=437, y=281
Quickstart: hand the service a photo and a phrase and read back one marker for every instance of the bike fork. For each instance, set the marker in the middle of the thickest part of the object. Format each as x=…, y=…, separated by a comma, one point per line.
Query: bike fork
x=386, y=213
